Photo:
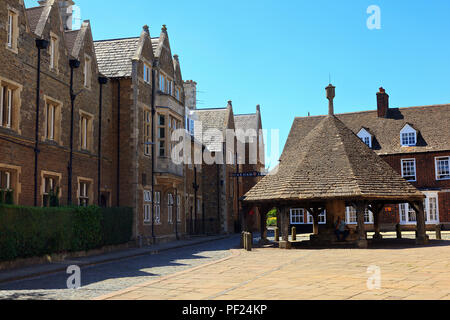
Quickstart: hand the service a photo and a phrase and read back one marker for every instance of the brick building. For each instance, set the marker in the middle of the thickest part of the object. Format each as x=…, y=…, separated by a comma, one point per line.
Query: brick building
x=59, y=150
x=107, y=111
x=415, y=142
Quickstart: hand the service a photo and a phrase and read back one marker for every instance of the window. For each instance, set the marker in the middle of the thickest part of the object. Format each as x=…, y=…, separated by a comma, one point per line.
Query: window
x=169, y=87
x=409, y=169
x=147, y=206
x=442, y=168
x=5, y=180
x=83, y=190
x=178, y=208
x=6, y=106
x=322, y=218
x=408, y=139
x=162, y=82
x=87, y=71
x=50, y=119
x=407, y=214
x=147, y=73
x=86, y=131
x=10, y=29
x=53, y=51
x=49, y=188
x=365, y=136
x=408, y=136
x=297, y=216
x=170, y=208
x=351, y=217
x=147, y=132
x=162, y=135
x=157, y=207
x=178, y=94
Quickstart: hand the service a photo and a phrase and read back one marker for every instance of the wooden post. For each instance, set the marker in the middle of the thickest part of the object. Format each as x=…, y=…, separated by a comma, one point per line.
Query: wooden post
x=284, y=243
x=294, y=234
x=277, y=234
x=438, y=232
x=376, y=221
x=398, y=229
x=362, y=239
x=263, y=224
x=421, y=237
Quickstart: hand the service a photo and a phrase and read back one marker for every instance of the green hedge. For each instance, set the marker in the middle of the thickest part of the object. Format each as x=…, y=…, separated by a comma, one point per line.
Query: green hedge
x=32, y=232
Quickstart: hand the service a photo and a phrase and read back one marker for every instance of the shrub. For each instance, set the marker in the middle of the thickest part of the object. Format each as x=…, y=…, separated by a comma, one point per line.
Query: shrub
x=272, y=222
x=30, y=232
x=272, y=213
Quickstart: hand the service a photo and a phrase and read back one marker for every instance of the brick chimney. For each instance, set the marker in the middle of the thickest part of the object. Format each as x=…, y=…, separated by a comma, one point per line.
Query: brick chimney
x=382, y=103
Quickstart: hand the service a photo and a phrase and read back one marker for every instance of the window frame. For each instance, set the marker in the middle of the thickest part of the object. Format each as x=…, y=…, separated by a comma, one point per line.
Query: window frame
x=415, y=169
x=147, y=205
x=350, y=211
x=157, y=203
x=408, y=130
x=297, y=214
x=87, y=71
x=162, y=141
x=10, y=30
x=86, y=197
x=178, y=206
x=86, y=139
x=436, y=162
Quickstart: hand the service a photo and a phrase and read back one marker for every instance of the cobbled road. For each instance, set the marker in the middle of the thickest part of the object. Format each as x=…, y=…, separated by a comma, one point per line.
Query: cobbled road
x=101, y=279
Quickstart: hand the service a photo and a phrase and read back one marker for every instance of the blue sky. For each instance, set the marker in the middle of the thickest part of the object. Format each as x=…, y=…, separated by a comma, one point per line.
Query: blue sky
x=280, y=53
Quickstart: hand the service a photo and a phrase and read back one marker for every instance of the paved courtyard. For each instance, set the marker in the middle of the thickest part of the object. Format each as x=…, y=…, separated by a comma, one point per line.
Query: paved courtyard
x=336, y=274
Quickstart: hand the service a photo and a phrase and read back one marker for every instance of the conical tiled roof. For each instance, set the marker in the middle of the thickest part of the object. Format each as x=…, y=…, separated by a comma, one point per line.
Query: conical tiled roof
x=331, y=162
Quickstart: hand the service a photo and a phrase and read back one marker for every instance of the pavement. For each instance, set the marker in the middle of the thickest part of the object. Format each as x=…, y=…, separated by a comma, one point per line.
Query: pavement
x=412, y=273
x=54, y=267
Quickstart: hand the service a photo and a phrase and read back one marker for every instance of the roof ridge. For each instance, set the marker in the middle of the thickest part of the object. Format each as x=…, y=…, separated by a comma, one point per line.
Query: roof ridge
x=118, y=39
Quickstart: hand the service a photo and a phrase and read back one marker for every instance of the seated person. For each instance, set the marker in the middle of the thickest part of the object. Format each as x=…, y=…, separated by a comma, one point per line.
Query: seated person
x=340, y=228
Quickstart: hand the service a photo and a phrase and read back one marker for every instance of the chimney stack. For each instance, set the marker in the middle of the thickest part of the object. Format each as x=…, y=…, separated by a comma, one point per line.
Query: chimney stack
x=331, y=93
x=382, y=103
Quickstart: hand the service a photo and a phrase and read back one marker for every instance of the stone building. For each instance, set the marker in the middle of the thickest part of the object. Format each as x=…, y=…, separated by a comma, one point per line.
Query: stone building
x=415, y=142
x=326, y=168
x=59, y=151
x=220, y=201
x=143, y=75
x=251, y=164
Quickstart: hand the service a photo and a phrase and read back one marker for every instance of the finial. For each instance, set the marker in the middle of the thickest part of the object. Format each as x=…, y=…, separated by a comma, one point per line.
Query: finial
x=164, y=28
x=230, y=103
x=146, y=29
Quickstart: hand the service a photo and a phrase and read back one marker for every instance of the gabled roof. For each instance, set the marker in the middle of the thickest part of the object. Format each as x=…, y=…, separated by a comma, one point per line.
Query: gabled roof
x=70, y=38
x=114, y=56
x=211, y=119
x=34, y=16
x=246, y=121
x=431, y=121
x=331, y=162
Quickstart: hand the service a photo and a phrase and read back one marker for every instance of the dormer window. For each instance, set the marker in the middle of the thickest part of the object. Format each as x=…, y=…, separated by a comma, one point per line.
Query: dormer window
x=366, y=137
x=408, y=136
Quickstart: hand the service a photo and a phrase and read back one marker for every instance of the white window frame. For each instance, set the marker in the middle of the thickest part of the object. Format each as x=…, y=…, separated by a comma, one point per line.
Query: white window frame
x=352, y=218
x=322, y=218
x=83, y=193
x=408, y=131
x=405, y=210
x=8, y=179
x=10, y=30
x=366, y=137
x=415, y=168
x=170, y=208
x=147, y=206
x=157, y=207
x=436, y=161
x=147, y=73
x=178, y=208
x=297, y=216
x=427, y=207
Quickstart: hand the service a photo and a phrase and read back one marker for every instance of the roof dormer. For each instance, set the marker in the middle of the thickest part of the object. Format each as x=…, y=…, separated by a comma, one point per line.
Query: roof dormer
x=408, y=136
x=365, y=135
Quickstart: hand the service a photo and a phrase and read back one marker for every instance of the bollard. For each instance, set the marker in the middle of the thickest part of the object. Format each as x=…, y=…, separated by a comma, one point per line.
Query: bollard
x=243, y=239
x=248, y=241
x=398, y=229
x=277, y=234
x=438, y=232
x=294, y=234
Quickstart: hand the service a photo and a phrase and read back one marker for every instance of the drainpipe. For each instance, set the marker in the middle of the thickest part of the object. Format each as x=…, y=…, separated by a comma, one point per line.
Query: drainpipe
x=118, y=146
x=176, y=214
x=102, y=81
x=195, y=186
x=74, y=64
x=41, y=45
x=218, y=197
x=154, y=66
